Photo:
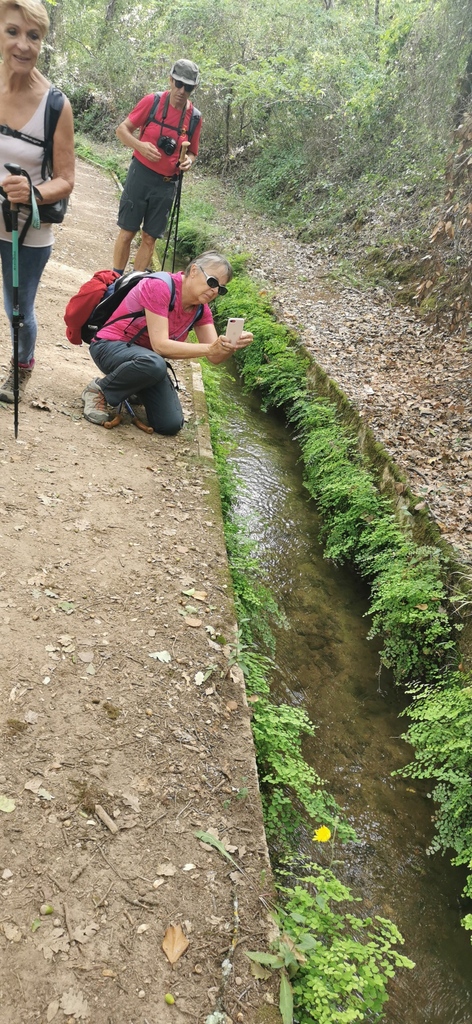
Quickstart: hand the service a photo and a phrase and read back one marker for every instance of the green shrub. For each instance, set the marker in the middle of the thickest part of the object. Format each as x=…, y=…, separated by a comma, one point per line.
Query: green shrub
x=342, y=962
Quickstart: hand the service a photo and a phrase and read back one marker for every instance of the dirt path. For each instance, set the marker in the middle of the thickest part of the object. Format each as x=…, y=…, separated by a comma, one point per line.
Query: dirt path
x=117, y=693
x=410, y=381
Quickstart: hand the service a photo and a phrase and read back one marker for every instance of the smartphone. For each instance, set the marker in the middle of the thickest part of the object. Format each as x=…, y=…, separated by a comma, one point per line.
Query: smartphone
x=234, y=328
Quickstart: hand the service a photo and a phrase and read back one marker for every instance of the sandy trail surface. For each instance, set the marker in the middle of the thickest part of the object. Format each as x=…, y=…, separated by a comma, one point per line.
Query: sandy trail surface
x=118, y=695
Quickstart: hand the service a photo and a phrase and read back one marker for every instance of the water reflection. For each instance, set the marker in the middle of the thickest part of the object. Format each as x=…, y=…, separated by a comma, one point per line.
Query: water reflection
x=326, y=664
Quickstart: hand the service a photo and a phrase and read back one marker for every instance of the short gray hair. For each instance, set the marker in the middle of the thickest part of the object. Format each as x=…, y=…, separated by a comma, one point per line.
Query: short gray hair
x=33, y=12
x=211, y=259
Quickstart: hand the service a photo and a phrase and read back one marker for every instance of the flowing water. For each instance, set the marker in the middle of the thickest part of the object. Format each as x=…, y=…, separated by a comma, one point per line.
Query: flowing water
x=326, y=664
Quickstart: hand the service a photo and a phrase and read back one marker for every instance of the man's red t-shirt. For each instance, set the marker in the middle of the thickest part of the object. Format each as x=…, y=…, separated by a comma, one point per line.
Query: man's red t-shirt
x=167, y=165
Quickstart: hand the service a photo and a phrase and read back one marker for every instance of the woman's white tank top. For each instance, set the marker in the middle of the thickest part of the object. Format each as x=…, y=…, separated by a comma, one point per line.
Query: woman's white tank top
x=30, y=158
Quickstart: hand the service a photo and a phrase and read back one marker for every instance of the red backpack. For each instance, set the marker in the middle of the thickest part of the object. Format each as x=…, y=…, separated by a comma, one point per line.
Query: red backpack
x=81, y=306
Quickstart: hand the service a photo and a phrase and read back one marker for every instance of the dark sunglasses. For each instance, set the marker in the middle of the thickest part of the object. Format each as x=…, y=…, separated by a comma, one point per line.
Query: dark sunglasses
x=213, y=282
x=182, y=85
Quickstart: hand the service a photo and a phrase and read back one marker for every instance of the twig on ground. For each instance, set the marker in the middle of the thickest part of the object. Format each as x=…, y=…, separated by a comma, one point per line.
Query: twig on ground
x=105, y=818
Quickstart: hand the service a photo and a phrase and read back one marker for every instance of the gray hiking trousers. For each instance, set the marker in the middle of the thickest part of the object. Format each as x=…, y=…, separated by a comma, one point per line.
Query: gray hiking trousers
x=132, y=370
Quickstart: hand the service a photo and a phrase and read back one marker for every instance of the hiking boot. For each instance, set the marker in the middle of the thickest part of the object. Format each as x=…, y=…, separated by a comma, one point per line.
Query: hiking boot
x=6, y=389
x=95, y=406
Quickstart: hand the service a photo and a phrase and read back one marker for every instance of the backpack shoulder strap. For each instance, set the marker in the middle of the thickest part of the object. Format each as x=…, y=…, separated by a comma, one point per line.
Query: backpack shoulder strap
x=152, y=113
x=163, y=275
x=53, y=110
x=195, y=118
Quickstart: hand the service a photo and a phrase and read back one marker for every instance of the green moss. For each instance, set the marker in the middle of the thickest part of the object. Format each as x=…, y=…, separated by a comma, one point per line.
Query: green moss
x=370, y=519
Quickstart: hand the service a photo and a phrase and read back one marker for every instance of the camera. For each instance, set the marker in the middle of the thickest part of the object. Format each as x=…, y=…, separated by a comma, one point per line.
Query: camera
x=167, y=144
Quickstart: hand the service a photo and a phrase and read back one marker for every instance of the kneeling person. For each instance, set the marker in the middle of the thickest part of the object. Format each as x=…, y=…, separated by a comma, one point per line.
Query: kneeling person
x=133, y=346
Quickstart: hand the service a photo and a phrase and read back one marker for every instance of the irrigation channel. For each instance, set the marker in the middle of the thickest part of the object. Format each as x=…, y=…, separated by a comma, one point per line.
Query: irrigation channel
x=326, y=664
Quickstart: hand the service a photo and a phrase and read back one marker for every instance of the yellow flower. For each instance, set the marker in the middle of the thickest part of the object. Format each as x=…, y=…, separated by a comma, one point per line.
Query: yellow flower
x=322, y=835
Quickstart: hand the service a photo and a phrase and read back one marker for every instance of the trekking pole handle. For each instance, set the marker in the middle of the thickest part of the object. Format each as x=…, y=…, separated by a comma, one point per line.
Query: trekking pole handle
x=183, y=150
x=14, y=169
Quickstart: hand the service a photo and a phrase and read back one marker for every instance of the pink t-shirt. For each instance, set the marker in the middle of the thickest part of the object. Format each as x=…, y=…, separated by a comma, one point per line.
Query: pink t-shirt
x=152, y=293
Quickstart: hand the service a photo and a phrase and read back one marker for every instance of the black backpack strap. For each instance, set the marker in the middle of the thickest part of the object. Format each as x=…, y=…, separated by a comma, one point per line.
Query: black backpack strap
x=163, y=276
x=157, y=98
x=194, y=120
x=52, y=113
x=195, y=116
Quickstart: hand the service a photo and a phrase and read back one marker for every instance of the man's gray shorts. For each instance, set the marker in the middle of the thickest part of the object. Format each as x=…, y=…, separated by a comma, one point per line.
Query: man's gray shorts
x=146, y=200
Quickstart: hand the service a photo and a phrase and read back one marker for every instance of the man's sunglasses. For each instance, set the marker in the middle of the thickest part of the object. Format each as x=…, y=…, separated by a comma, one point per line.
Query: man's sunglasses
x=182, y=85
x=213, y=282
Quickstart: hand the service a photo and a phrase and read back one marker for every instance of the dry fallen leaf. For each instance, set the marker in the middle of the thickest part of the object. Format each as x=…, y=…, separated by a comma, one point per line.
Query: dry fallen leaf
x=54, y=940
x=191, y=621
x=131, y=800
x=74, y=1005
x=174, y=943
x=166, y=869
x=6, y=804
x=11, y=931
x=85, y=934
x=40, y=404
x=86, y=656
x=259, y=972
x=52, y=1010
x=161, y=656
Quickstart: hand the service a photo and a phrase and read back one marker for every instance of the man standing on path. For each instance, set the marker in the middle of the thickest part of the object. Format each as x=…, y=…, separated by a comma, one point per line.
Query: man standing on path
x=155, y=165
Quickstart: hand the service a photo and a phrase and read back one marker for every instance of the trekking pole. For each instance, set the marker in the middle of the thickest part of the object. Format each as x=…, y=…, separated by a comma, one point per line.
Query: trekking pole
x=171, y=224
x=179, y=192
x=183, y=154
x=175, y=210
x=16, y=318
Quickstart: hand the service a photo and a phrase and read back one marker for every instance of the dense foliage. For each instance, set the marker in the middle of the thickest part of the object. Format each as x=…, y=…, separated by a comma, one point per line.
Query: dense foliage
x=299, y=96
x=336, y=116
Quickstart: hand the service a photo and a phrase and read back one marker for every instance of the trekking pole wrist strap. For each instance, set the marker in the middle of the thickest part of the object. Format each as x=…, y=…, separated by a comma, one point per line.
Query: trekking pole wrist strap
x=35, y=221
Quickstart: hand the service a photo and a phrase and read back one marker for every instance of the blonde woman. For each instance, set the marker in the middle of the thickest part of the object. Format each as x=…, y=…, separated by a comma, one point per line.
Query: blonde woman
x=23, y=97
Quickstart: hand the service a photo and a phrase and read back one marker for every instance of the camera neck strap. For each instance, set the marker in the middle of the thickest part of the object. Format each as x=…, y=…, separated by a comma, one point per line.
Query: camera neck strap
x=162, y=119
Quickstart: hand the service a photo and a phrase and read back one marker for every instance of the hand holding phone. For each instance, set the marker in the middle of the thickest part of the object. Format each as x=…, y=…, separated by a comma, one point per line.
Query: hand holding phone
x=234, y=328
